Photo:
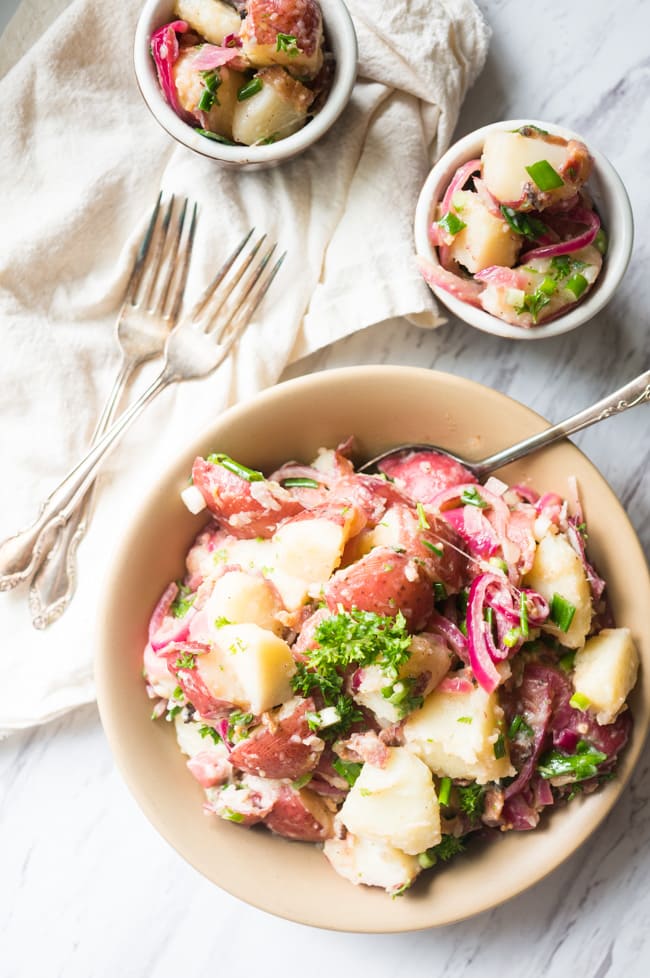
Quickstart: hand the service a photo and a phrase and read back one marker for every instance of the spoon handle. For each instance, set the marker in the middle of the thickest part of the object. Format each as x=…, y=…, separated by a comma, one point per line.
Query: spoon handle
x=634, y=392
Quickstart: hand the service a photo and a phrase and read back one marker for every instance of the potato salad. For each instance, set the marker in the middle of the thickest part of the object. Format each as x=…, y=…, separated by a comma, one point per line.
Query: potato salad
x=248, y=72
x=388, y=665
x=516, y=232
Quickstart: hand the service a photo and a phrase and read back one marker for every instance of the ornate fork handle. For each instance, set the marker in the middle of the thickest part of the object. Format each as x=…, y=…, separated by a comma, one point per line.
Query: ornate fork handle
x=623, y=405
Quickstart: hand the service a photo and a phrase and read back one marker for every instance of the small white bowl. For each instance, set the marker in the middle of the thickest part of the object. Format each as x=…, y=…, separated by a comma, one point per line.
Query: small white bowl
x=612, y=204
x=341, y=40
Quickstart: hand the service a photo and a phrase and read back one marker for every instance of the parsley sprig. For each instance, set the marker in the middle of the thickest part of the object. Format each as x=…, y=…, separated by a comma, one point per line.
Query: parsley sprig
x=359, y=638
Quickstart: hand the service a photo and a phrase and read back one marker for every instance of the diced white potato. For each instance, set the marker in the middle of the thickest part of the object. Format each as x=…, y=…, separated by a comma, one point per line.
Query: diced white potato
x=243, y=598
x=212, y=19
x=557, y=569
x=428, y=654
x=310, y=548
x=277, y=110
x=507, y=154
x=605, y=671
x=486, y=240
x=250, y=667
x=395, y=804
x=371, y=862
x=190, y=87
x=456, y=735
x=285, y=33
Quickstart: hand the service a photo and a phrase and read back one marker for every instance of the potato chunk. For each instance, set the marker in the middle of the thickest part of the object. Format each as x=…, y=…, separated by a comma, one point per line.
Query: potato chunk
x=486, y=240
x=395, y=804
x=371, y=862
x=277, y=110
x=244, y=599
x=507, y=154
x=605, y=671
x=250, y=667
x=557, y=569
x=456, y=734
x=284, y=32
x=212, y=19
x=190, y=86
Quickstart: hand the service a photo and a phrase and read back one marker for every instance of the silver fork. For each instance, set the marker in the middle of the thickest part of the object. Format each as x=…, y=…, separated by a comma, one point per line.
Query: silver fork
x=150, y=309
x=194, y=349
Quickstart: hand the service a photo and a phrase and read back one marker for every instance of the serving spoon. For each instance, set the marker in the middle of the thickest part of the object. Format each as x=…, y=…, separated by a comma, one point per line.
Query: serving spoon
x=630, y=395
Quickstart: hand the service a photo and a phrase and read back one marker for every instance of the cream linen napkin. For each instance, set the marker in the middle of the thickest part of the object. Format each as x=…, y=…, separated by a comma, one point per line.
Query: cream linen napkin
x=82, y=162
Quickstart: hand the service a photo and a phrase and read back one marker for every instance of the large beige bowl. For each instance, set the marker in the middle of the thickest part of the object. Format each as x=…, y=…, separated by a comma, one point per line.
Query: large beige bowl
x=381, y=406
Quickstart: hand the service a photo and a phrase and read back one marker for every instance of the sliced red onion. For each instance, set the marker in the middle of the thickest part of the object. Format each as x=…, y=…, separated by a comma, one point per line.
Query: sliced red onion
x=232, y=41
x=294, y=470
x=161, y=610
x=482, y=650
x=213, y=56
x=455, y=684
x=464, y=289
x=596, y=584
x=164, y=51
x=509, y=278
x=580, y=215
x=159, y=709
x=455, y=638
x=526, y=493
x=458, y=181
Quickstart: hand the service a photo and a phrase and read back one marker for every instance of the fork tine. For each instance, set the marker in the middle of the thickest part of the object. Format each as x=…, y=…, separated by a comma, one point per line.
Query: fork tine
x=150, y=272
x=236, y=323
x=145, y=244
x=168, y=269
x=222, y=296
x=176, y=293
x=204, y=299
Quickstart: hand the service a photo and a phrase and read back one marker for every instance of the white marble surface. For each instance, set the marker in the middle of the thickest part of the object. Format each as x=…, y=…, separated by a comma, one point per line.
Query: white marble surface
x=89, y=889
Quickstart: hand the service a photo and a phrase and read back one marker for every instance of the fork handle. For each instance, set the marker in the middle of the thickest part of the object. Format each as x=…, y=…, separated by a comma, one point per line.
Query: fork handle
x=21, y=553
x=54, y=581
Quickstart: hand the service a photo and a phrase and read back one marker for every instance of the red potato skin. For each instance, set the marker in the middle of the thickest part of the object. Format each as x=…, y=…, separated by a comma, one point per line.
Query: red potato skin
x=192, y=684
x=280, y=752
x=299, y=18
x=422, y=475
x=368, y=493
x=380, y=582
x=301, y=815
x=451, y=566
x=231, y=499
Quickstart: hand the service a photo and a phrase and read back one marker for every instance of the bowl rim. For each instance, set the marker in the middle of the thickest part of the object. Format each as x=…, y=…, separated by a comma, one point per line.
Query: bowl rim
x=618, y=253
x=343, y=40
x=607, y=797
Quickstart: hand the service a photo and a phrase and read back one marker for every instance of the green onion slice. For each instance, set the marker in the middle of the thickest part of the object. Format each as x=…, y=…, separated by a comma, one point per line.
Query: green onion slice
x=214, y=136
x=562, y=612
x=530, y=227
x=580, y=702
x=444, y=791
x=577, y=284
x=288, y=44
x=544, y=176
x=300, y=482
x=451, y=223
x=251, y=87
x=438, y=551
x=250, y=475
x=472, y=497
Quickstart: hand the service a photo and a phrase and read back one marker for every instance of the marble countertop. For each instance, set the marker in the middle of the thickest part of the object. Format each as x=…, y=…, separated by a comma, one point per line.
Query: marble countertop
x=90, y=889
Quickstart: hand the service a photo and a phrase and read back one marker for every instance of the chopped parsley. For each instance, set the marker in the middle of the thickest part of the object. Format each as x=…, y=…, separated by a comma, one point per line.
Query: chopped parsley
x=183, y=601
x=356, y=637
x=471, y=799
x=448, y=847
x=439, y=590
x=222, y=621
x=535, y=301
x=582, y=765
x=185, y=661
x=464, y=720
